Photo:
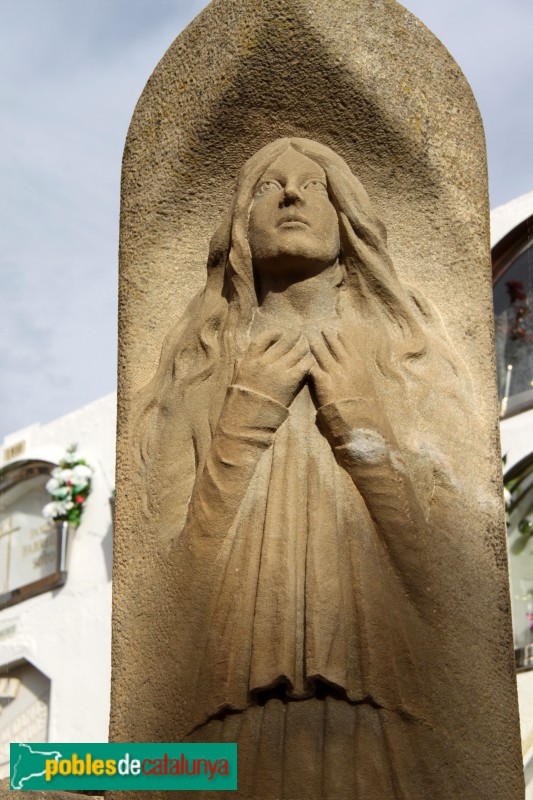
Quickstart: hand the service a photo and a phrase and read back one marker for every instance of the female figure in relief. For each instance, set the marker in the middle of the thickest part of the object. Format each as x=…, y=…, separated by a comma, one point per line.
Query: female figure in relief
x=279, y=446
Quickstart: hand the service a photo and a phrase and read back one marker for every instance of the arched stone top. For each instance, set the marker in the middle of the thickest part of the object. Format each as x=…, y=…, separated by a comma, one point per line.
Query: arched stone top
x=365, y=78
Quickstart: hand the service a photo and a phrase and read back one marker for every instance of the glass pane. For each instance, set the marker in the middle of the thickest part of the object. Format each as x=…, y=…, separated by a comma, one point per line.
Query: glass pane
x=513, y=316
x=28, y=542
x=520, y=547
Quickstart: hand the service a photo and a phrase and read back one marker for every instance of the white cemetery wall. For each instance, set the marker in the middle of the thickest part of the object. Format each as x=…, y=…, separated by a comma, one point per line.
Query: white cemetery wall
x=55, y=646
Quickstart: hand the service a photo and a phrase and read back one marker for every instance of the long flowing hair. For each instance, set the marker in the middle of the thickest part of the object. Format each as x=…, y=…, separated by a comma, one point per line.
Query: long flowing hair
x=199, y=353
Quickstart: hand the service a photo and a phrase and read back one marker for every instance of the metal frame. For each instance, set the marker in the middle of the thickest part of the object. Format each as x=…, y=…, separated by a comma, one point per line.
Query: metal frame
x=10, y=476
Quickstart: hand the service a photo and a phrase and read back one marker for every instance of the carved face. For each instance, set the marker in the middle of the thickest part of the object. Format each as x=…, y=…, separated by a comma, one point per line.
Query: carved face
x=293, y=227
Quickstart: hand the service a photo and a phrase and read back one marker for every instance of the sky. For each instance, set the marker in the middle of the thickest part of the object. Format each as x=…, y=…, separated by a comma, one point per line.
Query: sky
x=71, y=72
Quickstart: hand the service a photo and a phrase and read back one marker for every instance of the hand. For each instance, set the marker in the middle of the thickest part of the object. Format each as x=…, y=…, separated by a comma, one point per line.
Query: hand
x=340, y=370
x=276, y=364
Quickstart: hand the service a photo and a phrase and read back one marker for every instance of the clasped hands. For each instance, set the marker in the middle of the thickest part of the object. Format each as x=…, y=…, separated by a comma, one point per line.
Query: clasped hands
x=277, y=364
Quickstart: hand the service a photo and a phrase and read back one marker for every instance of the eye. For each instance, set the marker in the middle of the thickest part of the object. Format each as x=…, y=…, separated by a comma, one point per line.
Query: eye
x=315, y=185
x=267, y=186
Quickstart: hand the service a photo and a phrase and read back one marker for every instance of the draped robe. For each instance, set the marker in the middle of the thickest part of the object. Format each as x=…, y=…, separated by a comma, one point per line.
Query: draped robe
x=305, y=563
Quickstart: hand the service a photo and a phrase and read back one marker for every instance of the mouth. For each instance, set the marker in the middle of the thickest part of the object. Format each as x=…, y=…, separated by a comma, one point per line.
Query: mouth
x=293, y=221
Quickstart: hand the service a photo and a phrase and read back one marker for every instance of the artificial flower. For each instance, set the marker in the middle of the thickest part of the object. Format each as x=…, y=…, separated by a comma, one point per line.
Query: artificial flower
x=54, y=510
x=69, y=485
x=82, y=471
x=52, y=485
x=507, y=497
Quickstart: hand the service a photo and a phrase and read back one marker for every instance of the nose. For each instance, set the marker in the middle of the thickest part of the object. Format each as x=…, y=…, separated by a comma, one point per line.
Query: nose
x=291, y=194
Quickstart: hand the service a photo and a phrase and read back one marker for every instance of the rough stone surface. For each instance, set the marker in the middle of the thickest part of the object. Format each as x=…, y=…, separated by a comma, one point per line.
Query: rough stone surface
x=337, y=600
x=35, y=794
x=7, y=794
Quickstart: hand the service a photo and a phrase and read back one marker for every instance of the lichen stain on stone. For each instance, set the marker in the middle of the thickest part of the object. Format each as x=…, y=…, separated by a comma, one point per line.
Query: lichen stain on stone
x=367, y=446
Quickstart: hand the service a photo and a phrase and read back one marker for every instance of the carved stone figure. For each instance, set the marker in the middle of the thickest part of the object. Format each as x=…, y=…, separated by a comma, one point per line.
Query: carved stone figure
x=309, y=550
x=281, y=441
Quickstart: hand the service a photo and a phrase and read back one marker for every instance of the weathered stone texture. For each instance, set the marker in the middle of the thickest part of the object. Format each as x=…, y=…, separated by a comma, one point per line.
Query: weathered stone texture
x=368, y=80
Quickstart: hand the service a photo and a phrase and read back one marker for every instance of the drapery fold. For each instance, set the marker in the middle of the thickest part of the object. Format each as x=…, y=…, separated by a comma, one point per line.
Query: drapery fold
x=295, y=576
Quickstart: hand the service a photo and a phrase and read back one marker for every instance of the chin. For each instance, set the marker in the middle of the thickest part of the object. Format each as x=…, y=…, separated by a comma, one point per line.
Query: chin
x=295, y=265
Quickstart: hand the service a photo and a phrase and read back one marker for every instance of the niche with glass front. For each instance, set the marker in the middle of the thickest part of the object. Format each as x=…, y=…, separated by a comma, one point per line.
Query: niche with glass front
x=513, y=318
x=32, y=548
x=519, y=502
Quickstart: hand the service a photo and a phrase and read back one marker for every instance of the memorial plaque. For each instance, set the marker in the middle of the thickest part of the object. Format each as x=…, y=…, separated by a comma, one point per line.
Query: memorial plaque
x=32, y=549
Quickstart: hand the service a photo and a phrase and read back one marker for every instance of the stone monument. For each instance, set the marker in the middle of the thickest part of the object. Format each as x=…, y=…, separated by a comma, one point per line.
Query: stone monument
x=310, y=547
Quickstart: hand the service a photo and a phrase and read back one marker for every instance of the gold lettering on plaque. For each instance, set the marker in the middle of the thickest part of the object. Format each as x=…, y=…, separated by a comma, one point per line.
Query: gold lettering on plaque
x=14, y=450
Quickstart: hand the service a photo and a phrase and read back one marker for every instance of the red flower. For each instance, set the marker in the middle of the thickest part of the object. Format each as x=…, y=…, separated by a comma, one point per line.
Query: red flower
x=79, y=499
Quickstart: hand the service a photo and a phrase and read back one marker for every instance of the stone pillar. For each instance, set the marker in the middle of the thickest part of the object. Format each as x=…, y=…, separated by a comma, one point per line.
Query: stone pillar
x=314, y=569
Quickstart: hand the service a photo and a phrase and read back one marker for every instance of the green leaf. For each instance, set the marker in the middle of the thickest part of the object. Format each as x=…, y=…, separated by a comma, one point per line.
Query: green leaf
x=525, y=526
x=519, y=545
x=510, y=485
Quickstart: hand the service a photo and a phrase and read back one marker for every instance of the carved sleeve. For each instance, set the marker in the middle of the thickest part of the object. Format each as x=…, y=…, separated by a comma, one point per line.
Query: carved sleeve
x=246, y=428
x=364, y=444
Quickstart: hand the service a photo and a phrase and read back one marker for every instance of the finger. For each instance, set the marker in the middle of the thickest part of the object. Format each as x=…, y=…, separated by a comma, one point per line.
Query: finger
x=306, y=364
x=303, y=367
x=262, y=343
x=334, y=344
x=289, y=342
x=299, y=351
x=344, y=339
x=317, y=375
x=322, y=354
x=316, y=371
